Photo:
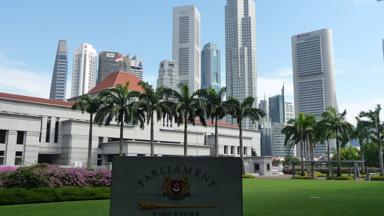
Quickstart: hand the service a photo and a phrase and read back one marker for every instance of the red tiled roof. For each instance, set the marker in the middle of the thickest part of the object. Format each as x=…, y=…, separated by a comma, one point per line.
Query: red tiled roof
x=37, y=100
x=219, y=123
x=116, y=78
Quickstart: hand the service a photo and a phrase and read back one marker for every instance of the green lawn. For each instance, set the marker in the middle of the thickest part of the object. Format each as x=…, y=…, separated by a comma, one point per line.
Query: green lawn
x=261, y=197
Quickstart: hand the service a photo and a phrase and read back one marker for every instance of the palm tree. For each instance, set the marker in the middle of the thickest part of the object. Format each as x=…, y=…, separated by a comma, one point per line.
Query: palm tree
x=90, y=105
x=120, y=104
x=152, y=101
x=376, y=127
x=242, y=111
x=323, y=134
x=361, y=133
x=340, y=127
x=188, y=107
x=215, y=108
x=298, y=132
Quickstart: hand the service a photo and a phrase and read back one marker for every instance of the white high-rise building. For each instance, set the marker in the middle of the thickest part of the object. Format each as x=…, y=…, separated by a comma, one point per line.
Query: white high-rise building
x=186, y=45
x=84, y=72
x=240, y=50
x=168, y=76
x=313, y=74
x=289, y=111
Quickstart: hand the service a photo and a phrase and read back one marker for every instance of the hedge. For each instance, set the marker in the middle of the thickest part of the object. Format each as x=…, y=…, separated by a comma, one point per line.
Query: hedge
x=40, y=195
x=377, y=178
x=340, y=178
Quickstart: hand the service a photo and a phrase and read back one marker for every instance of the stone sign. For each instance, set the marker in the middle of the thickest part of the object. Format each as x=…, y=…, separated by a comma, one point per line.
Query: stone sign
x=176, y=186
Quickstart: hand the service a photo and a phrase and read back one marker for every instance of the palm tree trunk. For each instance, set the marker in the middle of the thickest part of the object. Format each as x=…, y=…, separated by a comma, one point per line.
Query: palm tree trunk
x=338, y=155
x=380, y=150
x=121, y=138
x=362, y=157
x=152, y=138
x=185, y=135
x=89, y=161
x=241, y=146
x=329, y=158
x=302, y=158
x=216, y=140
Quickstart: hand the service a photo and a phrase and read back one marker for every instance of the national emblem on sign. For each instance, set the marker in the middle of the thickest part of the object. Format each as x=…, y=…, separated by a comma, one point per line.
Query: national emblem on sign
x=176, y=189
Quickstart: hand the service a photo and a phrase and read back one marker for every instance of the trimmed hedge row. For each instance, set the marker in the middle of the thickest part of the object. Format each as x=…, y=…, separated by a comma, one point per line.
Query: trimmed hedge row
x=377, y=178
x=41, y=195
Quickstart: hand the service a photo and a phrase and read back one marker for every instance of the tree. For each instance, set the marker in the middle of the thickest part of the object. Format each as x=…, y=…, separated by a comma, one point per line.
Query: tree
x=120, y=104
x=90, y=105
x=340, y=127
x=215, y=108
x=375, y=126
x=323, y=134
x=361, y=133
x=241, y=111
x=152, y=102
x=188, y=107
x=349, y=153
x=298, y=132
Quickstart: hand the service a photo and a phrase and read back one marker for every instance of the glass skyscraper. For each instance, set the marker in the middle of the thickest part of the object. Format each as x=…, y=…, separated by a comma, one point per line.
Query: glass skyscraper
x=210, y=67
x=60, y=71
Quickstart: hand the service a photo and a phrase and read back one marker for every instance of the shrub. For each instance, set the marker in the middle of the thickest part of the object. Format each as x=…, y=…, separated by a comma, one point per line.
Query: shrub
x=248, y=175
x=340, y=178
x=319, y=174
x=54, y=176
x=377, y=178
x=39, y=195
x=302, y=177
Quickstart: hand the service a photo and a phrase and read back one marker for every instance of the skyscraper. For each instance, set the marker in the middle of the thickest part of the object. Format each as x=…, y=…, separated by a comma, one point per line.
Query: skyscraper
x=84, y=71
x=313, y=74
x=240, y=49
x=110, y=62
x=277, y=108
x=186, y=45
x=60, y=70
x=210, y=67
x=289, y=111
x=168, y=76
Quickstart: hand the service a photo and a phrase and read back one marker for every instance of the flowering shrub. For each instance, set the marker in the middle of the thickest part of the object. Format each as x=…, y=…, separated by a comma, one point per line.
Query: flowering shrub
x=53, y=176
x=7, y=168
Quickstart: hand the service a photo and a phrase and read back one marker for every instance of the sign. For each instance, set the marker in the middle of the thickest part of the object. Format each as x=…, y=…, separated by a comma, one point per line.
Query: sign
x=110, y=55
x=176, y=186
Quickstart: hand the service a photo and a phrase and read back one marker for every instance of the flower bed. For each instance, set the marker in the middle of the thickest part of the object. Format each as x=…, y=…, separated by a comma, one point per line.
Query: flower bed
x=53, y=176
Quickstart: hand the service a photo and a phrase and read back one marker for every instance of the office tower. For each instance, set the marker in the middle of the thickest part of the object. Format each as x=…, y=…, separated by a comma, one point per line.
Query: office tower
x=210, y=67
x=289, y=111
x=60, y=70
x=240, y=50
x=263, y=105
x=168, y=76
x=110, y=62
x=278, y=148
x=276, y=108
x=186, y=45
x=84, y=71
x=313, y=75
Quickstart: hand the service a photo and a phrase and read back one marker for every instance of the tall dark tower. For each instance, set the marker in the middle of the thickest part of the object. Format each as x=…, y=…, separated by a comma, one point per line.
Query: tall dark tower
x=60, y=70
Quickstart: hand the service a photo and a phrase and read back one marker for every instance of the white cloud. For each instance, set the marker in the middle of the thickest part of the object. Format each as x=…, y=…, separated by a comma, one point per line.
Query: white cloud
x=354, y=108
x=17, y=78
x=271, y=85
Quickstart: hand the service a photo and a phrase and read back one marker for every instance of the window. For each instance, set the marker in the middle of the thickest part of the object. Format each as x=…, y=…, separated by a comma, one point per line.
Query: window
x=268, y=167
x=1, y=157
x=19, y=158
x=99, y=160
x=232, y=149
x=225, y=149
x=101, y=139
x=238, y=149
x=257, y=167
x=3, y=136
x=20, y=137
x=245, y=150
x=48, y=132
x=41, y=129
x=56, y=138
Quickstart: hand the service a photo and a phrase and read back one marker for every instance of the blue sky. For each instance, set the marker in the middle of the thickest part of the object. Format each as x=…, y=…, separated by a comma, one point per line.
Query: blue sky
x=30, y=31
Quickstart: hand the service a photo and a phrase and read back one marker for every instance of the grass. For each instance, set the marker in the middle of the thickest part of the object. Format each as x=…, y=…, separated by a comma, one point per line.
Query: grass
x=261, y=197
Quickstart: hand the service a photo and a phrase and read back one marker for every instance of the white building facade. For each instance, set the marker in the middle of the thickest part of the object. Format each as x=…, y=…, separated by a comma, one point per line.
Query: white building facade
x=37, y=130
x=84, y=71
x=240, y=50
x=186, y=45
x=168, y=76
x=313, y=75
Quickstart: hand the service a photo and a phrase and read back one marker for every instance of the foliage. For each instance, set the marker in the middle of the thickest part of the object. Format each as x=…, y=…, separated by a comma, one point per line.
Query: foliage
x=370, y=154
x=340, y=178
x=348, y=153
x=39, y=195
x=288, y=160
x=248, y=175
x=54, y=176
x=302, y=177
x=377, y=178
